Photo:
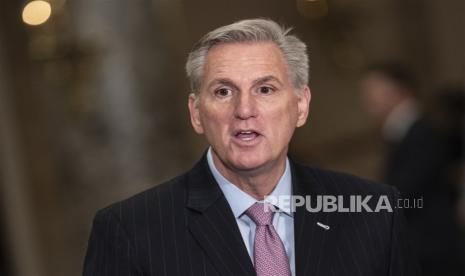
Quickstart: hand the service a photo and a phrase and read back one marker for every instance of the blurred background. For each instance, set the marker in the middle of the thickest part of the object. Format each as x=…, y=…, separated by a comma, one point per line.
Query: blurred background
x=93, y=107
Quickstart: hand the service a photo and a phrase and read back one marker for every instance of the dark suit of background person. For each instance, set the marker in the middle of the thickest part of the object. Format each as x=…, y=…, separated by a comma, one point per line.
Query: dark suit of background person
x=418, y=160
x=185, y=227
x=247, y=99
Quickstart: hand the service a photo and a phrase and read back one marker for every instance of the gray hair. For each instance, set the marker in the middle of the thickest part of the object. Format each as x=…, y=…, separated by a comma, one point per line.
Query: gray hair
x=251, y=30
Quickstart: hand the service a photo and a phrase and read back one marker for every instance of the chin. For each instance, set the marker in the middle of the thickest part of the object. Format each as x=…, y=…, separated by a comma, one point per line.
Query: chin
x=248, y=161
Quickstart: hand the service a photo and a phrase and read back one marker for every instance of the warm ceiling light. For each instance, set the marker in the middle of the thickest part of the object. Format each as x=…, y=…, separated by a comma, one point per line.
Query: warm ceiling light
x=36, y=12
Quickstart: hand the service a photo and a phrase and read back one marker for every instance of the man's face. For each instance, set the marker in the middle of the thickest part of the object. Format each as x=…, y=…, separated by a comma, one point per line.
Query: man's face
x=380, y=95
x=247, y=106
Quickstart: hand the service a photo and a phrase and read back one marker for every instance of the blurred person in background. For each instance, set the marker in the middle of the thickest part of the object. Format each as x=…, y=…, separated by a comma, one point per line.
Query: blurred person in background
x=447, y=113
x=3, y=260
x=420, y=158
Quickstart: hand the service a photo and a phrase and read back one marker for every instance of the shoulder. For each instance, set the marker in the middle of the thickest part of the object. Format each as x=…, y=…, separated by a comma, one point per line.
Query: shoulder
x=148, y=203
x=339, y=182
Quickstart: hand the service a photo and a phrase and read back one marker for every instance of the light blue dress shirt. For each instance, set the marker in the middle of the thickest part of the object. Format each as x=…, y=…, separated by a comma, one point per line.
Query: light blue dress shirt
x=240, y=201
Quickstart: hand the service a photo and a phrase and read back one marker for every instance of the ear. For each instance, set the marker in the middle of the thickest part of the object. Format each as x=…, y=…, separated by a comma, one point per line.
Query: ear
x=194, y=113
x=303, y=105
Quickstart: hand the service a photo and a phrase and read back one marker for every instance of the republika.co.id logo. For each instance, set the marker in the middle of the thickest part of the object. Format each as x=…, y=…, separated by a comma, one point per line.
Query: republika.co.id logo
x=340, y=203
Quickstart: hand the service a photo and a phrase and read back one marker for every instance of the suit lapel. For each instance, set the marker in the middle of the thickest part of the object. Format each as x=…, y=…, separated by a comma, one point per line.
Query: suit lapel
x=311, y=240
x=212, y=224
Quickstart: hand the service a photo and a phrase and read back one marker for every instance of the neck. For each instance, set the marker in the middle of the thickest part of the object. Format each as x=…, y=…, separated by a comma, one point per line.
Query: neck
x=258, y=182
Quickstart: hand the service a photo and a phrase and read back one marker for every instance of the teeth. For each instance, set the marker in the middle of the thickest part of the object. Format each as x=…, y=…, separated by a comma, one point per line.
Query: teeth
x=246, y=135
x=247, y=132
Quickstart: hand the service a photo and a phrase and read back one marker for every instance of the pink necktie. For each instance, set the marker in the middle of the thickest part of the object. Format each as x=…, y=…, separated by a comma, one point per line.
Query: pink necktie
x=269, y=253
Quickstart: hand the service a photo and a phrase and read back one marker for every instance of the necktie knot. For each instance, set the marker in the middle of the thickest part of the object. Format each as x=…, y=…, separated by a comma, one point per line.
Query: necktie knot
x=261, y=214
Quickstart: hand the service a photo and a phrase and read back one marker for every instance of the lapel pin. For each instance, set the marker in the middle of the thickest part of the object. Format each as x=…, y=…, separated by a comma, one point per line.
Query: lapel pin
x=324, y=226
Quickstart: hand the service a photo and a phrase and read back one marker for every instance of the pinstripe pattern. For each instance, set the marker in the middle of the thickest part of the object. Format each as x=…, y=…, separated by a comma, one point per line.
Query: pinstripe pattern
x=186, y=227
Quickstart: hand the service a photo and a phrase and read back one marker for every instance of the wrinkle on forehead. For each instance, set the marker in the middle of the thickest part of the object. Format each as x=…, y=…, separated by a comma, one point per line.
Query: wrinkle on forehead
x=245, y=62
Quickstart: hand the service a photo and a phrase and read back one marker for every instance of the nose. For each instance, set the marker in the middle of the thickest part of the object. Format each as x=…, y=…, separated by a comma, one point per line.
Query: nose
x=245, y=106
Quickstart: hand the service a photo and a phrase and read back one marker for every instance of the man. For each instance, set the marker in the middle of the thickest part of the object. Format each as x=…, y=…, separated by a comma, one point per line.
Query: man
x=250, y=91
x=418, y=162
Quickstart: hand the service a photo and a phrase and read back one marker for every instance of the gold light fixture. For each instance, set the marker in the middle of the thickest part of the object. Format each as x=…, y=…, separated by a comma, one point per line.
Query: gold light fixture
x=36, y=12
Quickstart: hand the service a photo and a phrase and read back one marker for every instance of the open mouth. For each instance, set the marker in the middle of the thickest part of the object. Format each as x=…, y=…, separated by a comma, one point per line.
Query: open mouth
x=246, y=135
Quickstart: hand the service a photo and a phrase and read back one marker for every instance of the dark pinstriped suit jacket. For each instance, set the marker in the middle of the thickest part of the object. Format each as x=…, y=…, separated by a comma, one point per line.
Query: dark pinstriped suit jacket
x=186, y=227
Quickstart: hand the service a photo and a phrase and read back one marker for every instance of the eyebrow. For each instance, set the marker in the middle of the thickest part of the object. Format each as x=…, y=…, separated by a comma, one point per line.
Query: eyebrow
x=223, y=81
x=266, y=79
x=229, y=82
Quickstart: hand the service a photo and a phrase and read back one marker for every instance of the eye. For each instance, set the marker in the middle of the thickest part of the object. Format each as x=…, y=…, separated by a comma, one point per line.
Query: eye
x=265, y=90
x=223, y=92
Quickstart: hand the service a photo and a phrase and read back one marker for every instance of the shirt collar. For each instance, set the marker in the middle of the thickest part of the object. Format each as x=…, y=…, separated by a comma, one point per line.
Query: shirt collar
x=398, y=122
x=240, y=201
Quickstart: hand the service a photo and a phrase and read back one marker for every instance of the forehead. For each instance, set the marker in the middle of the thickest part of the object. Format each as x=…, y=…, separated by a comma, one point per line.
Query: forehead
x=378, y=80
x=245, y=59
